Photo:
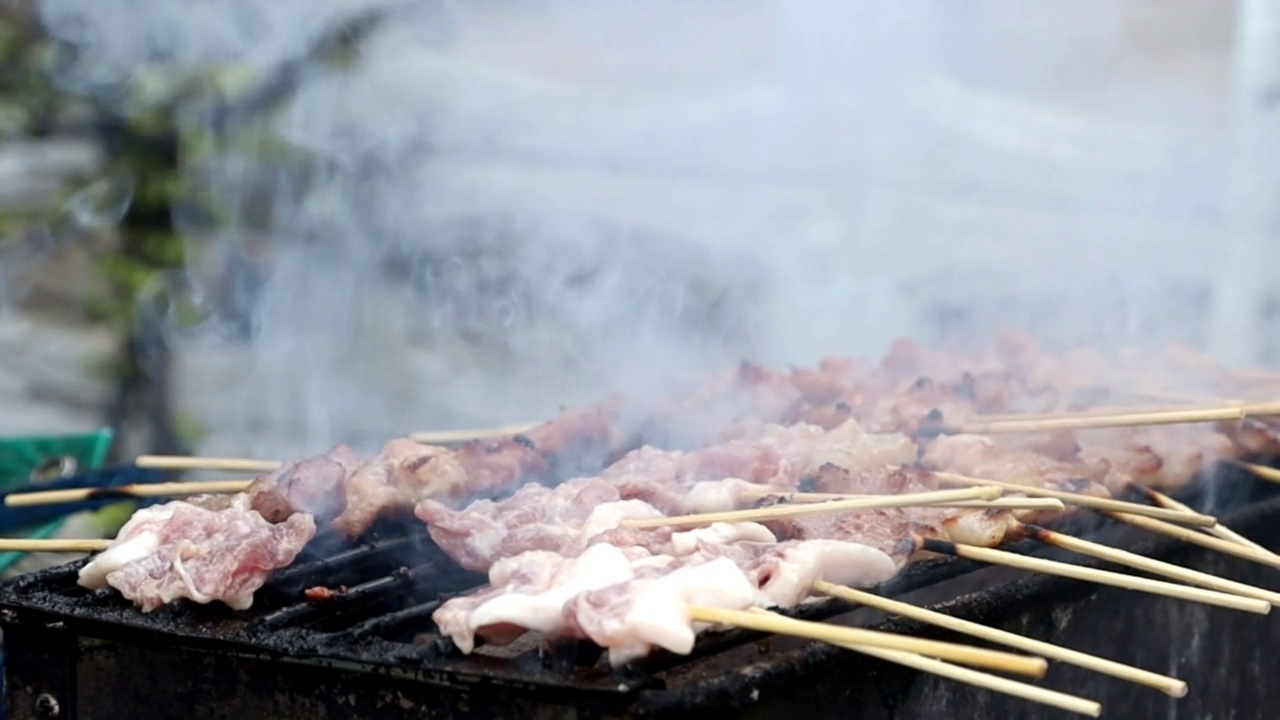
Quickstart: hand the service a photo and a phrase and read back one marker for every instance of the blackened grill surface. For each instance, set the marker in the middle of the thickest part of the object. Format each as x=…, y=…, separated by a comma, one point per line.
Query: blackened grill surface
x=379, y=628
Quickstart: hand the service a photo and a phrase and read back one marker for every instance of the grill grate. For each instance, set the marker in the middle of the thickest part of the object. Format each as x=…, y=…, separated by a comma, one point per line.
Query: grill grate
x=395, y=579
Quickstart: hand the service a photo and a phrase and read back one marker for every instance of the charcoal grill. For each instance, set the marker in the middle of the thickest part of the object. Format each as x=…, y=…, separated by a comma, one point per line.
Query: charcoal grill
x=370, y=651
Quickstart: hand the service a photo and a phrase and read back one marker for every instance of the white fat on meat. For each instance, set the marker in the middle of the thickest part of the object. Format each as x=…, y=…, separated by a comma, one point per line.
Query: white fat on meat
x=721, y=533
x=863, y=451
x=659, y=616
x=180, y=550
x=715, y=496
x=135, y=541
x=528, y=572
x=598, y=566
x=94, y=574
x=610, y=515
x=786, y=574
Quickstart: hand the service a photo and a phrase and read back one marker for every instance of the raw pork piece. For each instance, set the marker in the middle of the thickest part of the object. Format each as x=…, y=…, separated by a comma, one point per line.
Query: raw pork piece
x=179, y=550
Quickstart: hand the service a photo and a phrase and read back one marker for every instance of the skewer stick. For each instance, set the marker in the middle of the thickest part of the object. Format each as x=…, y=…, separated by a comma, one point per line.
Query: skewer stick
x=54, y=497
x=1168, y=685
x=1146, y=564
x=178, y=462
x=1003, y=503
x=1262, y=471
x=1101, y=577
x=995, y=683
x=54, y=545
x=769, y=622
x=1087, y=501
x=983, y=680
x=1079, y=421
x=1197, y=538
x=1221, y=531
x=457, y=437
x=1100, y=412
x=801, y=509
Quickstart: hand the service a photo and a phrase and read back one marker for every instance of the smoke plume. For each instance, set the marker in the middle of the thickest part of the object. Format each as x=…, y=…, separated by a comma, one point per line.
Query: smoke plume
x=471, y=213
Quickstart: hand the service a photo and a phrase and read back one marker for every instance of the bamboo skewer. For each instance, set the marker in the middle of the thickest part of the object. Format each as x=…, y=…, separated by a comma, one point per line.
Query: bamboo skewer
x=802, y=509
x=1086, y=420
x=1168, y=685
x=1087, y=501
x=837, y=634
x=1262, y=471
x=1101, y=577
x=177, y=462
x=1220, y=531
x=54, y=545
x=1102, y=412
x=1146, y=564
x=455, y=437
x=983, y=680
x=1198, y=538
x=1002, y=503
x=54, y=497
x=995, y=683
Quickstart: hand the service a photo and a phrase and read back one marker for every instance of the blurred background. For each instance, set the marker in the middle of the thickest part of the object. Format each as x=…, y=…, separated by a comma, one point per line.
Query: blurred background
x=258, y=229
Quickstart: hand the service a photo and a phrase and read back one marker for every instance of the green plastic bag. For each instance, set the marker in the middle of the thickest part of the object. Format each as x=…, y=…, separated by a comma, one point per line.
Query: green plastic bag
x=36, y=457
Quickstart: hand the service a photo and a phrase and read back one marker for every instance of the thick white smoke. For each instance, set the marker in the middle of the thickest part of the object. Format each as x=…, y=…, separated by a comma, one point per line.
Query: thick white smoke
x=508, y=206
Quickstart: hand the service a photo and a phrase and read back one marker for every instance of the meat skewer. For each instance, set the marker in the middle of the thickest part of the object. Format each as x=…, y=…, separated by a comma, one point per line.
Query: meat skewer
x=977, y=460
x=180, y=550
x=1017, y=530
x=625, y=604
x=399, y=481
x=892, y=530
x=403, y=474
x=1170, y=685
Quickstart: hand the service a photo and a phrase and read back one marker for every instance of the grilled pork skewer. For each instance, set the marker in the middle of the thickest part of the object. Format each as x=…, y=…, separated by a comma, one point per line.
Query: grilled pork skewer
x=404, y=473
x=664, y=602
x=503, y=612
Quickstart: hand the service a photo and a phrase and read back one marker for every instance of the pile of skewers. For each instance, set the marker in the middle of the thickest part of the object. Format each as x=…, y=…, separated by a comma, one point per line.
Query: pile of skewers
x=756, y=492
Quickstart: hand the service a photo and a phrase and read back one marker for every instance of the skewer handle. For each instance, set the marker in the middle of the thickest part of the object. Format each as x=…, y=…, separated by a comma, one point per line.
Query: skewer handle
x=54, y=545
x=458, y=437
x=872, y=502
x=836, y=634
x=1002, y=503
x=1086, y=501
x=1220, y=531
x=1226, y=547
x=1156, y=417
x=55, y=497
x=1150, y=565
x=174, y=462
x=1052, y=698
x=1266, y=473
x=1101, y=577
x=1168, y=685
